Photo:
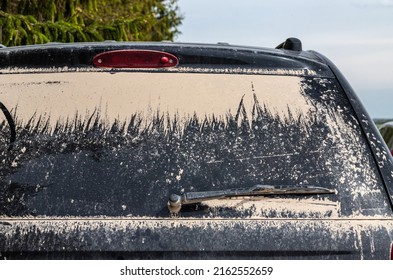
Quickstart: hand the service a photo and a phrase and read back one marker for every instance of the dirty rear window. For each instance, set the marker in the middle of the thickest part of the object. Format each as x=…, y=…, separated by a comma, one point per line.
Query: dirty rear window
x=105, y=144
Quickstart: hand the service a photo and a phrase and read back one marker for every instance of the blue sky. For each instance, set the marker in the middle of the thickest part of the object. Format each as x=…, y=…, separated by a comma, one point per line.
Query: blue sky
x=357, y=35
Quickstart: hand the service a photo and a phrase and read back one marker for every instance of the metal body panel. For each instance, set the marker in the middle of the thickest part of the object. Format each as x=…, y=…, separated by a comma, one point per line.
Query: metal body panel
x=195, y=238
x=80, y=55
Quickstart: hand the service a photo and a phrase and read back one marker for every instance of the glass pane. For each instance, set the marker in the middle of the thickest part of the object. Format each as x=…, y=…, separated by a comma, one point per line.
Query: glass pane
x=120, y=144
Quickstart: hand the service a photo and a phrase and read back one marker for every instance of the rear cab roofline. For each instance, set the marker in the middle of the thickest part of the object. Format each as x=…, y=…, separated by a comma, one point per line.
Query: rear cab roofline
x=80, y=55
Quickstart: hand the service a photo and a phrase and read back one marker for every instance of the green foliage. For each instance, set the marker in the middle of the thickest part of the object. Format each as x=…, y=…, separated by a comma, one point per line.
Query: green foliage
x=35, y=21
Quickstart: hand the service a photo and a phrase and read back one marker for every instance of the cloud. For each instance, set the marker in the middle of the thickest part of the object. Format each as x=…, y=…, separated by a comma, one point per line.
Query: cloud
x=372, y=3
x=387, y=3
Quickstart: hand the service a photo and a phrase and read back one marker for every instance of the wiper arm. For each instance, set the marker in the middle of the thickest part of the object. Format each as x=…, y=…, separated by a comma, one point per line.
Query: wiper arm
x=176, y=201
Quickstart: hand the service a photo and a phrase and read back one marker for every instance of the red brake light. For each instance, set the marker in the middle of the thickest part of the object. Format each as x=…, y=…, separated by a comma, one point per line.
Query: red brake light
x=135, y=59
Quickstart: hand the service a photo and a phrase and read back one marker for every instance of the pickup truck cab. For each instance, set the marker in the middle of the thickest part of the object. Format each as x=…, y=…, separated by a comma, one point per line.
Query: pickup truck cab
x=187, y=151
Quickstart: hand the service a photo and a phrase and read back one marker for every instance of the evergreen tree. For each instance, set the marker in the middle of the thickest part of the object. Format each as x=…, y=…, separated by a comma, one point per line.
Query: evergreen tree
x=40, y=21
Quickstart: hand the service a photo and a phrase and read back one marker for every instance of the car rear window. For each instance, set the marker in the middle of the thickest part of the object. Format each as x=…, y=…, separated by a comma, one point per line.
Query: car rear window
x=118, y=144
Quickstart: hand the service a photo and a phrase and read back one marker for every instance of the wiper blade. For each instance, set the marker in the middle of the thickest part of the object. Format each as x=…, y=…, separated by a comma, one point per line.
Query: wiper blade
x=176, y=201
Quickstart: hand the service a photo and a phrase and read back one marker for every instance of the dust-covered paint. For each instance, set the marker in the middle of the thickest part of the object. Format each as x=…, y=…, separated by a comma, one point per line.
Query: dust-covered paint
x=234, y=238
x=233, y=70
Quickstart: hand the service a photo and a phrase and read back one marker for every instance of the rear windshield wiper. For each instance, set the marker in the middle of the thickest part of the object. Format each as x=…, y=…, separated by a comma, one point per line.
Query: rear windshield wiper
x=176, y=201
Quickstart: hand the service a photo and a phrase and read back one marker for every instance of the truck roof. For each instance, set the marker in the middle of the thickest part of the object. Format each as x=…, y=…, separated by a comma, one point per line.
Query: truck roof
x=192, y=55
